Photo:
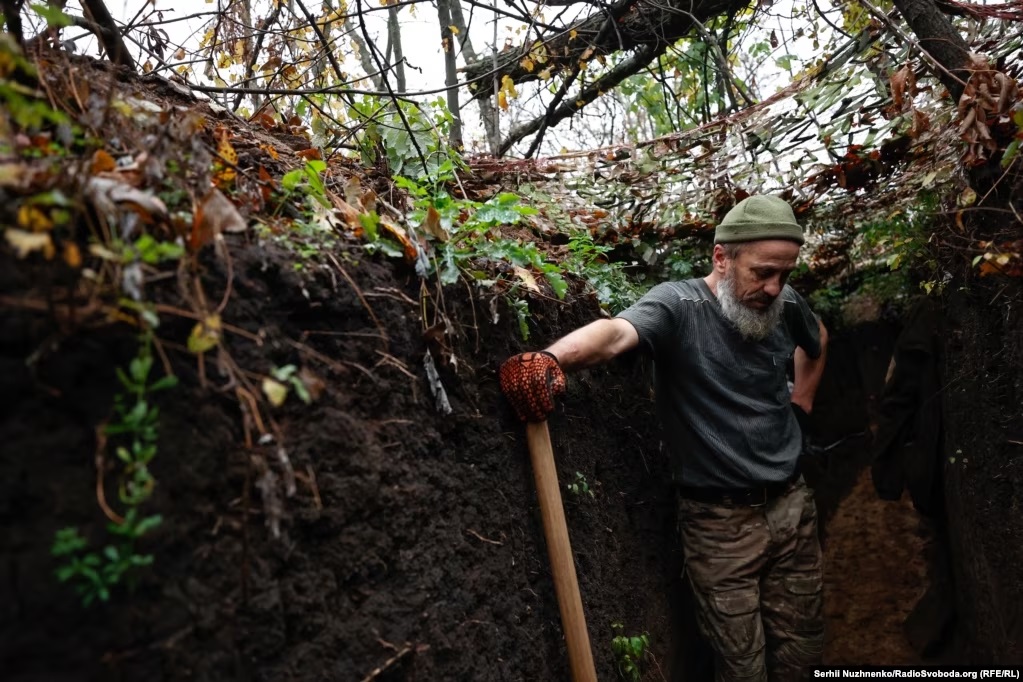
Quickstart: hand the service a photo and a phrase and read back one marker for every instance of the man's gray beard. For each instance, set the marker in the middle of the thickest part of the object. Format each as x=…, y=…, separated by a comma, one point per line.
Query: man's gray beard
x=754, y=325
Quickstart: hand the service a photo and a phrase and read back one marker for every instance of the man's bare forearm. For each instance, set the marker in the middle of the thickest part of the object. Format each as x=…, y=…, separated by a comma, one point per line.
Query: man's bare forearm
x=808, y=373
x=595, y=343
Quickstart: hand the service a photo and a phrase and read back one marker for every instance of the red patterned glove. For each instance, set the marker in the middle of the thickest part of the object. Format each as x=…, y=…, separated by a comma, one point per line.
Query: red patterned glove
x=530, y=381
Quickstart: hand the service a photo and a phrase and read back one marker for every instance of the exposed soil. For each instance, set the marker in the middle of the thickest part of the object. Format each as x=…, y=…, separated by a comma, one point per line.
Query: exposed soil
x=412, y=547
x=412, y=543
x=875, y=572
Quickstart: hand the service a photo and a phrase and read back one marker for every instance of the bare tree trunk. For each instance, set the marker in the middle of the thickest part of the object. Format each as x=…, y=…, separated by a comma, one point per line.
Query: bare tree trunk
x=940, y=38
x=394, y=44
x=450, y=70
x=486, y=103
x=109, y=35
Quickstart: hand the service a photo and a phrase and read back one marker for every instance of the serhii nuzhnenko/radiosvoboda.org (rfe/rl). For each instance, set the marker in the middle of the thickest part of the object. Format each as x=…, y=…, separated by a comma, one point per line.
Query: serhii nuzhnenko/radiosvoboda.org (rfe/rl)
x=917, y=673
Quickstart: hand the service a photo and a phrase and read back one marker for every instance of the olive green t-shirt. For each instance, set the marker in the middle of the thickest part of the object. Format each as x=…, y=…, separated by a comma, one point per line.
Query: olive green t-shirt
x=723, y=401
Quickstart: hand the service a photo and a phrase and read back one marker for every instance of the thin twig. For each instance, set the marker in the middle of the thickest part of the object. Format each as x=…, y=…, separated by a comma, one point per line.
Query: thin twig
x=101, y=497
x=479, y=537
x=358, y=292
x=387, y=664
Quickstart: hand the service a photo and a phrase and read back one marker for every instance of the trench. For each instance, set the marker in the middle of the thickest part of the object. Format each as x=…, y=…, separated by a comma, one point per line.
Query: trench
x=421, y=535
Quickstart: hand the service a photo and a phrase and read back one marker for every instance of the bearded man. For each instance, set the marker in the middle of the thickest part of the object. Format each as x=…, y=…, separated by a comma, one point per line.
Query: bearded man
x=721, y=347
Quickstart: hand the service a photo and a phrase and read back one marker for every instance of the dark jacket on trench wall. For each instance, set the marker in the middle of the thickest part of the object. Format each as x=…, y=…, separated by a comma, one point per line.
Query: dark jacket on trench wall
x=908, y=445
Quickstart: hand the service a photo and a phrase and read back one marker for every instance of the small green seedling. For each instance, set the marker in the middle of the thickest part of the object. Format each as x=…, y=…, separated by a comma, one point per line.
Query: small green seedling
x=629, y=653
x=579, y=486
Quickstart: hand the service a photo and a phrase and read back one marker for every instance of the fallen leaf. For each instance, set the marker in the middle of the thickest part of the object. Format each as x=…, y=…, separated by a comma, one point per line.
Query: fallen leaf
x=102, y=162
x=12, y=175
x=353, y=190
x=25, y=243
x=432, y=225
x=275, y=391
x=369, y=201
x=34, y=219
x=527, y=278
x=227, y=159
x=72, y=255
x=205, y=335
x=214, y=215
x=313, y=383
x=408, y=248
x=266, y=184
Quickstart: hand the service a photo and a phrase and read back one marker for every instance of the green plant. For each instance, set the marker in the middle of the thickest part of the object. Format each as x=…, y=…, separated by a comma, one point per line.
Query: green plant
x=94, y=574
x=629, y=652
x=307, y=178
x=579, y=486
x=283, y=380
x=135, y=428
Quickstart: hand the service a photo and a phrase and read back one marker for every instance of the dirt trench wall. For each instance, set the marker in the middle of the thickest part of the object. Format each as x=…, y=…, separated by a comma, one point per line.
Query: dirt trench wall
x=983, y=467
x=413, y=542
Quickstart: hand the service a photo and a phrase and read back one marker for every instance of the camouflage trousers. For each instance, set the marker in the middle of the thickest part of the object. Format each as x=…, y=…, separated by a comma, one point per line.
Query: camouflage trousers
x=757, y=579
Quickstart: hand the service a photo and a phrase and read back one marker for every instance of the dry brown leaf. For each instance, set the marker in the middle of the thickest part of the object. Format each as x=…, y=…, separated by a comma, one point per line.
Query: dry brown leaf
x=433, y=227
x=527, y=278
x=313, y=382
x=72, y=255
x=369, y=201
x=102, y=162
x=408, y=248
x=109, y=195
x=353, y=190
x=215, y=215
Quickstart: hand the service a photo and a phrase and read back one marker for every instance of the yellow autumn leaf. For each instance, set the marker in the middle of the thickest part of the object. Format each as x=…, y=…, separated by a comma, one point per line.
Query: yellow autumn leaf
x=223, y=166
x=72, y=255
x=33, y=218
x=527, y=64
x=275, y=391
x=508, y=86
x=545, y=75
x=502, y=100
x=453, y=29
x=205, y=335
x=573, y=34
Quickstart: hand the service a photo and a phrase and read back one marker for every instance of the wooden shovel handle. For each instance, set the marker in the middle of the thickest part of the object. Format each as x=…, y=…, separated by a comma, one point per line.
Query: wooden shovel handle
x=566, y=586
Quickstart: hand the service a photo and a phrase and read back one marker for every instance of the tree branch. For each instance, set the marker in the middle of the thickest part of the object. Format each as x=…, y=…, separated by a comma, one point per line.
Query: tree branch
x=630, y=66
x=638, y=24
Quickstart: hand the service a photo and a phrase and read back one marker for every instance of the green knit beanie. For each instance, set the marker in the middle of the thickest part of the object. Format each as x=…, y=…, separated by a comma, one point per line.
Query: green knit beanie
x=759, y=217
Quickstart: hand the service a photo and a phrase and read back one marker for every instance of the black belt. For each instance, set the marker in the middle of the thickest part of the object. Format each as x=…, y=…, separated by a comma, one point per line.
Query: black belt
x=739, y=497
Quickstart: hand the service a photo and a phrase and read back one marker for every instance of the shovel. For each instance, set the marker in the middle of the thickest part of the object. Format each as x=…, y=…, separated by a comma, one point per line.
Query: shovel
x=566, y=586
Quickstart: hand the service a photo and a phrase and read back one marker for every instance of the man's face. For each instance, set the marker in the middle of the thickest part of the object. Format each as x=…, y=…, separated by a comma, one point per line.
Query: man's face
x=759, y=272
x=750, y=285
